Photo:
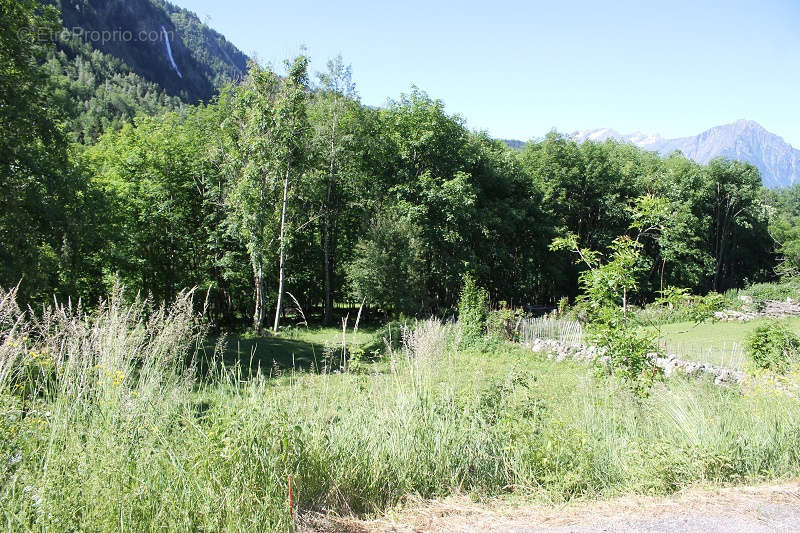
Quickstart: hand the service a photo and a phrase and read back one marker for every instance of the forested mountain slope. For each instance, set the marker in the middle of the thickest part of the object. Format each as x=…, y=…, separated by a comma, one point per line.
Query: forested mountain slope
x=115, y=59
x=147, y=32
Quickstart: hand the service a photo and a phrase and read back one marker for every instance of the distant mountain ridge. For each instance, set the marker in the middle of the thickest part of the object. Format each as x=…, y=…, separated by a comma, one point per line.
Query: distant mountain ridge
x=743, y=140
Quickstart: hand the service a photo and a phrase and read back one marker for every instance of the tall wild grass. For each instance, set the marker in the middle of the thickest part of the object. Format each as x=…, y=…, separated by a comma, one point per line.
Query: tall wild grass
x=106, y=425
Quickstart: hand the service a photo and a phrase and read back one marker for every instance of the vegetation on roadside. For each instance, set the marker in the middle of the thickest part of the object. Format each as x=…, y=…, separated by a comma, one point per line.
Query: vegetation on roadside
x=104, y=423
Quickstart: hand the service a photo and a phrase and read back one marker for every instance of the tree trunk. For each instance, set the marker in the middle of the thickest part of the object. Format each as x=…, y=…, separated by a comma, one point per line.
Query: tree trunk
x=326, y=252
x=258, y=315
x=624, y=301
x=282, y=251
x=327, y=315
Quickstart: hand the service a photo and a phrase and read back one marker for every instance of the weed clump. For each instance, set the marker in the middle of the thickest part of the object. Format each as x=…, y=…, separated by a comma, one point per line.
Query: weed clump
x=473, y=310
x=773, y=346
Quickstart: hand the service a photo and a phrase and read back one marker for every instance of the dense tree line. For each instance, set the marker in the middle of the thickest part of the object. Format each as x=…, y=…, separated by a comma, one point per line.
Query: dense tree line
x=286, y=186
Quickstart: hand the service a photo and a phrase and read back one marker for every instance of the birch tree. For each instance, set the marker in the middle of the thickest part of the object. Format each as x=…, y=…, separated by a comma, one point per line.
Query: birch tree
x=291, y=126
x=250, y=132
x=266, y=132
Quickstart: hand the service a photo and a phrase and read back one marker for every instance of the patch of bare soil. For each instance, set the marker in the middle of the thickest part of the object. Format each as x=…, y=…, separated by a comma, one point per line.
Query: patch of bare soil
x=763, y=508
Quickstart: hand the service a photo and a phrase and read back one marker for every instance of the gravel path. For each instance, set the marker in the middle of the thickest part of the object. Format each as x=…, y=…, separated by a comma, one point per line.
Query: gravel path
x=766, y=508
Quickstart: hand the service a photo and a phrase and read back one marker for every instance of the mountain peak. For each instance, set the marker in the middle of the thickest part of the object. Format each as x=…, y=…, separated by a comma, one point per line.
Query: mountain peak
x=743, y=140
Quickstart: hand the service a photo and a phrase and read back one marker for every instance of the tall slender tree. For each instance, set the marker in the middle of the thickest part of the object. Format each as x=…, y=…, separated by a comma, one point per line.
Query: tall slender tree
x=250, y=133
x=333, y=116
x=291, y=128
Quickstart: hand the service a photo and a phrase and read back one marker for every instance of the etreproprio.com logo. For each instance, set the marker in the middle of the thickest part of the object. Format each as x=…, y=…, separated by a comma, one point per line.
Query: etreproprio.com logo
x=95, y=36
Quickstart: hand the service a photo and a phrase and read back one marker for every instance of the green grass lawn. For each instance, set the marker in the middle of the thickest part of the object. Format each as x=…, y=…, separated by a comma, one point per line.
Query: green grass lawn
x=719, y=343
x=297, y=348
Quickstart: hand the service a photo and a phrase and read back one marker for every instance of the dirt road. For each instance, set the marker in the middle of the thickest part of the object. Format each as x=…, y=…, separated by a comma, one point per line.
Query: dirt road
x=765, y=508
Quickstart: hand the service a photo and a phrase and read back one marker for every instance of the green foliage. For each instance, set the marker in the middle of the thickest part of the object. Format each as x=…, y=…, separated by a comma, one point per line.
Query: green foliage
x=162, y=181
x=674, y=297
x=628, y=352
x=473, y=309
x=774, y=347
x=605, y=284
x=679, y=305
x=784, y=228
x=266, y=133
x=387, y=265
x=502, y=323
x=563, y=306
x=393, y=205
x=47, y=205
x=338, y=153
x=704, y=307
x=763, y=292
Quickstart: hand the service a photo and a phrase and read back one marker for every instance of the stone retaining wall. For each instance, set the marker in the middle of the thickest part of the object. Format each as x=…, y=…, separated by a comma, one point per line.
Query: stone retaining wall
x=670, y=364
x=772, y=309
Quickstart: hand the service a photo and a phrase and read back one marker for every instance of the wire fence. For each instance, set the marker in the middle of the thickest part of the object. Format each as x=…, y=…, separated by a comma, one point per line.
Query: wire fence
x=569, y=332
x=727, y=354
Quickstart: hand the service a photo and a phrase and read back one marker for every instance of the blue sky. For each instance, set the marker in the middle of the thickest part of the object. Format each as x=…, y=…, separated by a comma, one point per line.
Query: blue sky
x=519, y=69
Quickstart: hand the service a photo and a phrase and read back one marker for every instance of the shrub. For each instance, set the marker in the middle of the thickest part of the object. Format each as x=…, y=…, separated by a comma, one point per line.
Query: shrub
x=773, y=346
x=627, y=351
x=473, y=308
x=388, y=337
x=502, y=323
x=563, y=306
x=760, y=293
x=706, y=306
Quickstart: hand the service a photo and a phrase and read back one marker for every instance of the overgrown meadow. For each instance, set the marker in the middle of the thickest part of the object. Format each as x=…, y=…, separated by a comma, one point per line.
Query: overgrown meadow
x=120, y=419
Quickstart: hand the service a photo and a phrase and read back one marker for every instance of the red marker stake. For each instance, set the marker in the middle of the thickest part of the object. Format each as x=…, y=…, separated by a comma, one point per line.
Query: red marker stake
x=291, y=496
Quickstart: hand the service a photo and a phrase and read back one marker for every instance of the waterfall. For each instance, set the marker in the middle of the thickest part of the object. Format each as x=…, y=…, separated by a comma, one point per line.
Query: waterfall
x=169, y=52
